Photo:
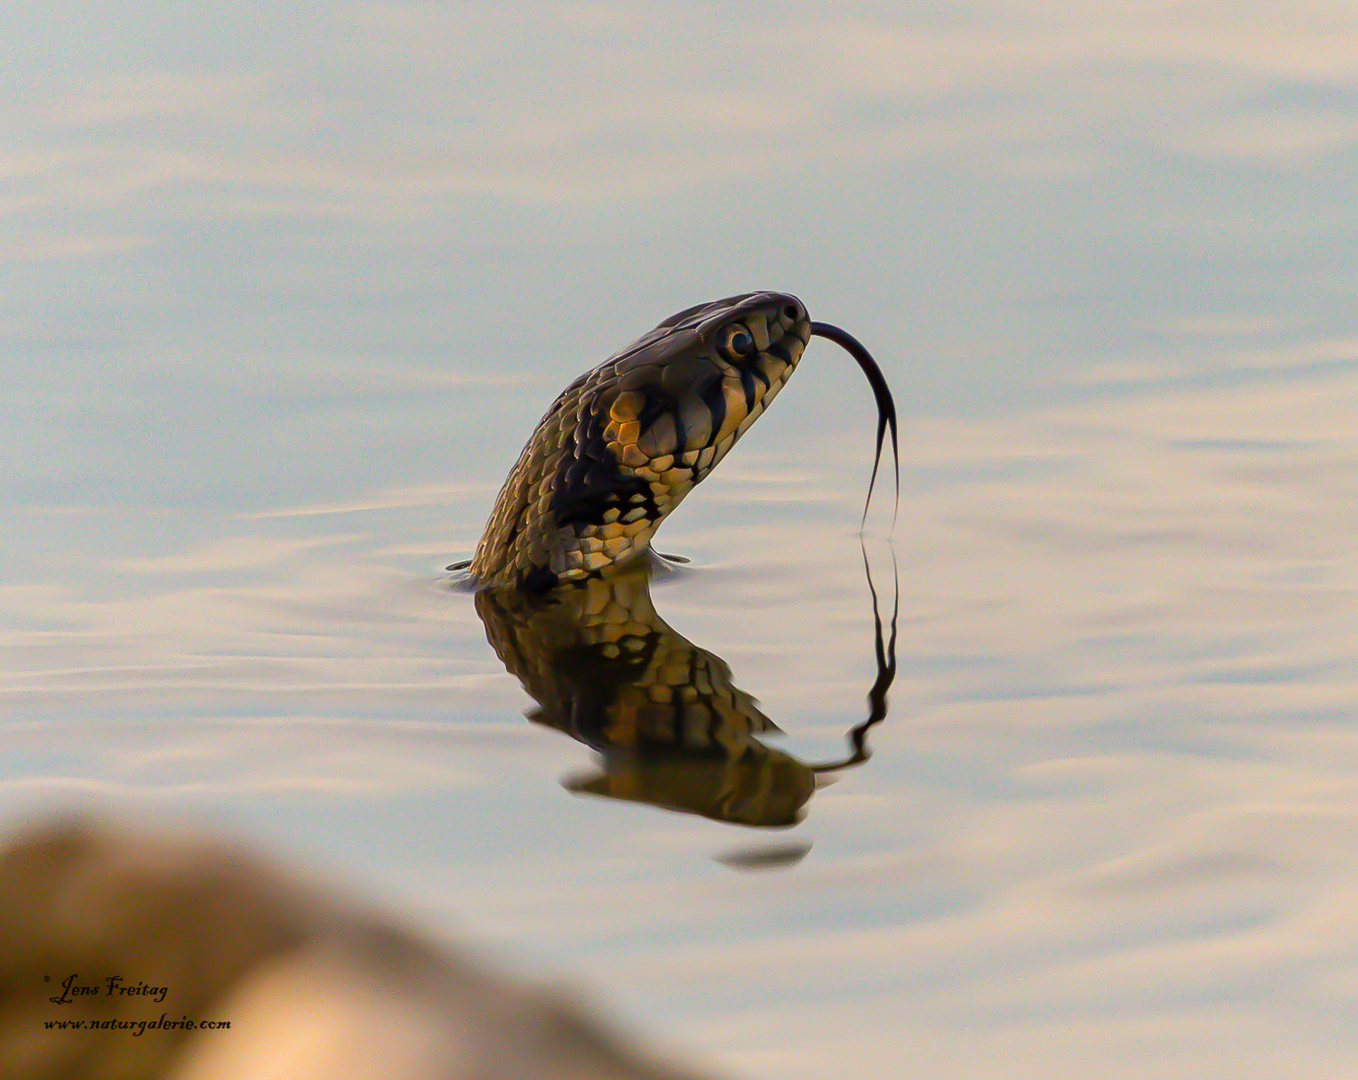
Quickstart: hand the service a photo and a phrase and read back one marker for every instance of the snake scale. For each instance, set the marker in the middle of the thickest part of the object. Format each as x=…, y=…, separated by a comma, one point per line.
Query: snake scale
x=624, y=443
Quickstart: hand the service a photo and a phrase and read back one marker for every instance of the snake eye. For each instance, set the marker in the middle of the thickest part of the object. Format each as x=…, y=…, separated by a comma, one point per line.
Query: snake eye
x=736, y=343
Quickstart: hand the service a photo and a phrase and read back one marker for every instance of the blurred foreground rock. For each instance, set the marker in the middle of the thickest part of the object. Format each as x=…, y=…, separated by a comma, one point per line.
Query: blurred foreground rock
x=162, y=930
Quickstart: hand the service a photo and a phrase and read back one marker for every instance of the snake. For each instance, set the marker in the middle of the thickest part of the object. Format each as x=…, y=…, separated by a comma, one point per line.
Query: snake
x=624, y=443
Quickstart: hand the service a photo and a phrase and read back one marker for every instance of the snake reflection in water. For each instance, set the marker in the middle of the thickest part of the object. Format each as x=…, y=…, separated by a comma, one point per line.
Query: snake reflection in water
x=670, y=726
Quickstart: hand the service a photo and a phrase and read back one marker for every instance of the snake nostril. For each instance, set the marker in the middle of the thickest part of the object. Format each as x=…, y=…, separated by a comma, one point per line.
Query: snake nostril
x=790, y=311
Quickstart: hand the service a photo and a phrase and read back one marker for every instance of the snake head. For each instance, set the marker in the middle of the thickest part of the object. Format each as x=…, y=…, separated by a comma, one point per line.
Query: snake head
x=624, y=443
x=690, y=388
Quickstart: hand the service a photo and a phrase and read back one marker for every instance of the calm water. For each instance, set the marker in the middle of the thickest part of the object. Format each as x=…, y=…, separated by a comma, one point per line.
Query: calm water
x=285, y=296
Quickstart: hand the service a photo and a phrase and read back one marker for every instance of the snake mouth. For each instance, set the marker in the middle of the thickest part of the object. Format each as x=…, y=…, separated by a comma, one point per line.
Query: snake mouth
x=886, y=407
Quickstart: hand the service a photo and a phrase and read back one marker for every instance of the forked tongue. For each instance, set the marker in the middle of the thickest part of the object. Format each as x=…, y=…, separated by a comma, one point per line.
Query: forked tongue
x=886, y=408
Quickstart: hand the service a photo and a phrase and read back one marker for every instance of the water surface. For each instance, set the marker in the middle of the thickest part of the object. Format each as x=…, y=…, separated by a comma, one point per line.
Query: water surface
x=285, y=296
